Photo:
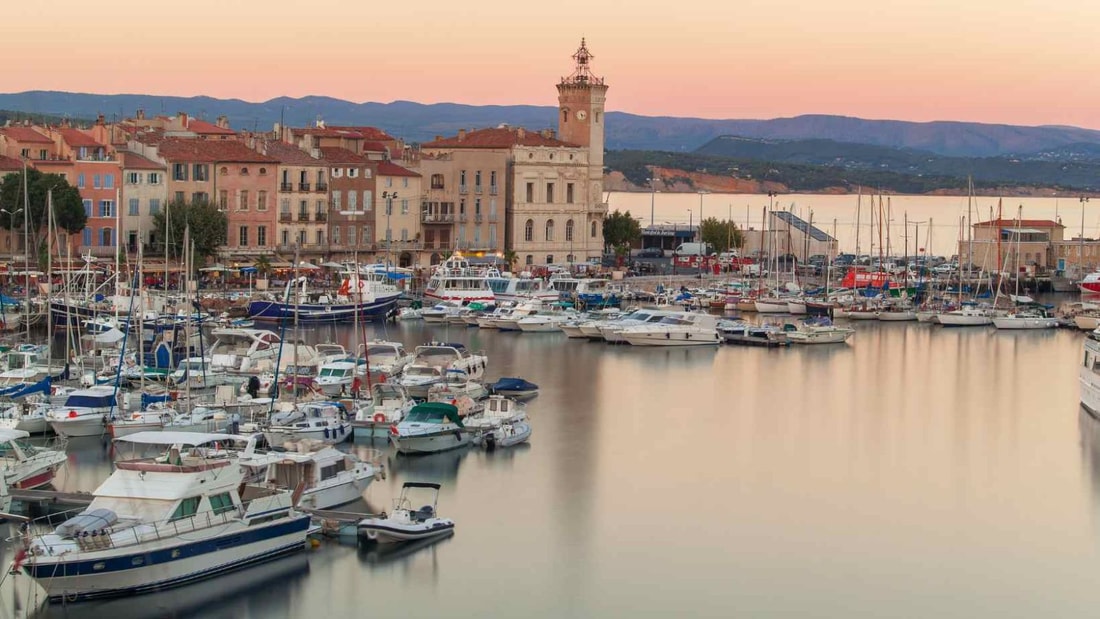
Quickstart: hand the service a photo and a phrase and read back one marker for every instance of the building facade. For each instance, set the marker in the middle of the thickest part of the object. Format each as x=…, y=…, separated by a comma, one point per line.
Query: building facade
x=144, y=194
x=351, y=209
x=303, y=199
x=397, y=212
x=1006, y=243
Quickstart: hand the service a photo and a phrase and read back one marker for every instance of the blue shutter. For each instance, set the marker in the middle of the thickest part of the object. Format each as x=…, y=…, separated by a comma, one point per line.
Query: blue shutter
x=87, y=208
x=95, y=181
x=87, y=237
x=108, y=181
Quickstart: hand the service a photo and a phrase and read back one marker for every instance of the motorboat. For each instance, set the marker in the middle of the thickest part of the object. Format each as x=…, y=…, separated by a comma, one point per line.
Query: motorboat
x=389, y=403
x=419, y=378
x=745, y=334
x=503, y=423
x=197, y=373
x=405, y=524
x=86, y=412
x=1089, y=373
x=387, y=358
x=460, y=390
x=1090, y=284
x=249, y=351
x=24, y=465
x=514, y=388
x=675, y=329
x=336, y=377
x=967, y=316
x=320, y=421
x=324, y=476
x=163, y=521
x=430, y=427
x=26, y=415
x=819, y=331
x=611, y=330
x=160, y=417
x=451, y=356
x=438, y=313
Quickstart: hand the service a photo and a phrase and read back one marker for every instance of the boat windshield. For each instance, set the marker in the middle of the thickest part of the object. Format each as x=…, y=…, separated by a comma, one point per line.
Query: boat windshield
x=421, y=370
x=382, y=351
x=337, y=372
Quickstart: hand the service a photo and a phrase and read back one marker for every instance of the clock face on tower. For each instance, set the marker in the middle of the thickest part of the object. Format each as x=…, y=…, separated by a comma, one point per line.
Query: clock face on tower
x=581, y=115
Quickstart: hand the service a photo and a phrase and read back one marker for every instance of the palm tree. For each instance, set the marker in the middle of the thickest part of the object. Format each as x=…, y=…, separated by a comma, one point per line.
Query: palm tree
x=510, y=259
x=263, y=266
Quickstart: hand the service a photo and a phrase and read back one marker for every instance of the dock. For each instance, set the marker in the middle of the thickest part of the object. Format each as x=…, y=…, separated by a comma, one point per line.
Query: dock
x=337, y=523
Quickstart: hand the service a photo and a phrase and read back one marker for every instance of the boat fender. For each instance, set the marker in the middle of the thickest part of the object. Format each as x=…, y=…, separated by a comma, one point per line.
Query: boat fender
x=393, y=429
x=668, y=336
x=379, y=418
x=72, y=414
x=326, y=432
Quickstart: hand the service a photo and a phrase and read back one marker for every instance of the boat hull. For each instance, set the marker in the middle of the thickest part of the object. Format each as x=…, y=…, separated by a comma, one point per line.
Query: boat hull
x=93, y=425
x=335, y=495
x=1020, y=324
x=166, y=563
x=964, y=320
x=378, y=531
x=337, y=434
x=671, y=338
x=317, y=313
x=431, y=443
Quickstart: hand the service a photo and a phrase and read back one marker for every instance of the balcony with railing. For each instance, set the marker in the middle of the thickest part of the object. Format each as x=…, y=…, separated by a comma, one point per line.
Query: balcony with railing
x=303, y=186
x=477, y=218
x=462, y=218
x=286, y=187
x=285, y=217
x=463, y=189
x=477, y=188
x=437, y=218
x=303, y=215
x=320, y=216
x=321, y=187
x=492, y=190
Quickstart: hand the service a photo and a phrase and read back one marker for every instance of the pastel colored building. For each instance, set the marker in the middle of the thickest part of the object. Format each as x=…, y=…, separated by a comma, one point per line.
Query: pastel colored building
x=90, y=166
x=351, y=211
x=303, y=198
x=464, y=192
x=144, y=194
x=397, y=212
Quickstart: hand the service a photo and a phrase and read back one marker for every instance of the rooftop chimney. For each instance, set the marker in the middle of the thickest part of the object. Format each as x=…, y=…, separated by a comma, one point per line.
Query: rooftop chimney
x=99, y=120
x=223, y=122
x=461, y=134
x=521, y=133
x=183, y=119
x=320, y=123
x=140, y=114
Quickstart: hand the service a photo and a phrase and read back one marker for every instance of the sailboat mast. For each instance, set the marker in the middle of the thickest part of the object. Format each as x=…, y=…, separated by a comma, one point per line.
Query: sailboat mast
x=49, y=278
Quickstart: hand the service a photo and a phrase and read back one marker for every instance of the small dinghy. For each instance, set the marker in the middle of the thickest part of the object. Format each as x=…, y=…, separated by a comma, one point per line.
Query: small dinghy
x=406, y=524
x=514, y=388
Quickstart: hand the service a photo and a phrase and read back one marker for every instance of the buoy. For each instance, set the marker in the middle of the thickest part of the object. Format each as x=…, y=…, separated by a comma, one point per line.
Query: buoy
x=314, y=543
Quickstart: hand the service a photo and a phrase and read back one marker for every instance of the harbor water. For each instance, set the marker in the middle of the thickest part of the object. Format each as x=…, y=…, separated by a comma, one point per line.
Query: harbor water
x=916, y=471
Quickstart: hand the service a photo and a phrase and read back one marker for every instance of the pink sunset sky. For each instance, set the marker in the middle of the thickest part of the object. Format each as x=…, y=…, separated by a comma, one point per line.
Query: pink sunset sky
x=1012, y=61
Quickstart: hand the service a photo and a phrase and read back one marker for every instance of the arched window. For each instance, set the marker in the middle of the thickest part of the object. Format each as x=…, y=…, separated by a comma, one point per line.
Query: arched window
x=593, y=229
x=569, y=230
x=529, y=230
x=550, y=230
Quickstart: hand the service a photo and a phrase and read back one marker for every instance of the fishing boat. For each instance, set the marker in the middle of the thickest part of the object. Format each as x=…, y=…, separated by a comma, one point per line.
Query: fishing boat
x=371, y=296
x=161, y=522
x=430, y=427
x=405, y=524
x=389, y=403
x=24, y=465
x=503, y=423
x=320, y=421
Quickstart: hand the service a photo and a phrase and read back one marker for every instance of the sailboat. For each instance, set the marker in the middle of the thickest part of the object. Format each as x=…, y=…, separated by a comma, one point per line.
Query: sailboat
x=1026, y=314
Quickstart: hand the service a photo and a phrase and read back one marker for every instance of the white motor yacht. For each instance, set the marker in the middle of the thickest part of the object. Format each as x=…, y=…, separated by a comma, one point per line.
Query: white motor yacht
x=164, y=521
x=675, y=329
x=25, y=465
x=325, y=476
x=336, y=377
x=86, y=412
x=388, y=358
x=389, y=403
x=320, y=421
x=820, y=331
x=503, y=423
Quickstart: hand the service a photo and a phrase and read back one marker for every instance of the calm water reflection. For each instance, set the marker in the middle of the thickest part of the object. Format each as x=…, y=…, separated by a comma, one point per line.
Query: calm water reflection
x=914, y=472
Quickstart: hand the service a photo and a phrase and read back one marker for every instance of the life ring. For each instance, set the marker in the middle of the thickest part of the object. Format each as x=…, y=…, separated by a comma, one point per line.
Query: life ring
x=379, y=418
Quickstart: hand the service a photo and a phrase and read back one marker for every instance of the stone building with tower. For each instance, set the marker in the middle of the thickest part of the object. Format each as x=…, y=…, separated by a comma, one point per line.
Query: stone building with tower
x=550, y=182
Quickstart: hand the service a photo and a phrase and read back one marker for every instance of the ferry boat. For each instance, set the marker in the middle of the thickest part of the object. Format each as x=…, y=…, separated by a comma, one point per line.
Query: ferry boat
x=456, y=280
x=162, y=522
x=370, y=295
x=587, y=291
x=510, y=288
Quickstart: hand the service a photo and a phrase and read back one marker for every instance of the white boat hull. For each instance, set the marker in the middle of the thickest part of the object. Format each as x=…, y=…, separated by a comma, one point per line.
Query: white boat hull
x=796, y=307
x=1017, y=323
x=964, y=320
x=162, y=565
x=93, y=425
x=671, y=338
x=336, y=494
x=431, y=443
x=820, y=337
x=380, y=531
x=772, y=307
x=36, y=424
x=573, y=331
x=1083, y=322
x=904, y=316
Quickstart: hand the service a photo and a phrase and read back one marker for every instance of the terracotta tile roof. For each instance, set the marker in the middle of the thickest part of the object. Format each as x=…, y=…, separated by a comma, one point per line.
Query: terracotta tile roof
x=134, y=161
x=335, y=155
x=375, y=147
x=77, y=138
x=330, y=132
x=289, y=154
x=386, y=168
x=500, y=137
x=25, y=134
x=206, y=151
x=9, y=164
x=1023, y=223
x=373, y=134
x=202, y=127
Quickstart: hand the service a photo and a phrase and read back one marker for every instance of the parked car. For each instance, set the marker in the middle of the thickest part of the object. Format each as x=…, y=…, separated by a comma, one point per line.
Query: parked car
x=652, y=252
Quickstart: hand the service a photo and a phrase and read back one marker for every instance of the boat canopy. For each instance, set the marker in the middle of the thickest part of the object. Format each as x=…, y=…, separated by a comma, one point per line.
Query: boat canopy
x=18, y=391
x=11, y=434
x=434, y=412
x=90, y=400
x=188, y=439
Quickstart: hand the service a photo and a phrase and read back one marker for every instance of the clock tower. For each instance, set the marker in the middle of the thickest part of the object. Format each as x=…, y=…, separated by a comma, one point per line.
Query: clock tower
x=581, y=99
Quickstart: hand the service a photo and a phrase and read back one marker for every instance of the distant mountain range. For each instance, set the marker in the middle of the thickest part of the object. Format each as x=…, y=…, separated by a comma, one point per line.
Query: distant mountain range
x=420, y=122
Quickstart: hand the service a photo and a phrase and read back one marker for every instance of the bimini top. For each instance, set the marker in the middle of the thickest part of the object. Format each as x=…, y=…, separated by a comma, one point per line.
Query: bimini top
x=188, y=439
x=434, y=412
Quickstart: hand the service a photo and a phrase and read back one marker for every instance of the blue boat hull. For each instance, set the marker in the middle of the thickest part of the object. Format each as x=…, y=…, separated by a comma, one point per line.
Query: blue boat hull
x=315, y=312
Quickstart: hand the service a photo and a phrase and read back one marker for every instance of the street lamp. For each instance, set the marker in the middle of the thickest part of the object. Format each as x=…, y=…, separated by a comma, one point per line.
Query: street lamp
x=691, y=228
x=389, y=197
x=1081, y=251
x=652, y=197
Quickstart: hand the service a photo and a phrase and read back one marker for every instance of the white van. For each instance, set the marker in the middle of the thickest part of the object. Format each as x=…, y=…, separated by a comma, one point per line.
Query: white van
x=693, y=249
